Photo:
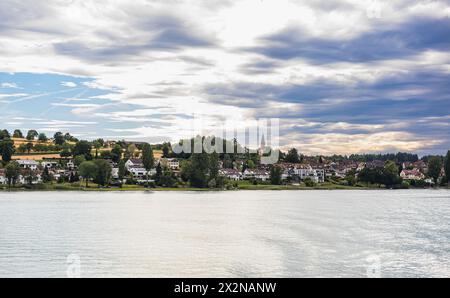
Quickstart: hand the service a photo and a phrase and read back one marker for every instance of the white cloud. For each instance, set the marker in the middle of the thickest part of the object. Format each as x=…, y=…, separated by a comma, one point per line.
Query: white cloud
x=9, y=85
x=69, y=84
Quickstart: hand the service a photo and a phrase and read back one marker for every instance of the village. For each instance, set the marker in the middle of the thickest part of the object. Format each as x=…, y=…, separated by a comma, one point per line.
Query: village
x=122, y=164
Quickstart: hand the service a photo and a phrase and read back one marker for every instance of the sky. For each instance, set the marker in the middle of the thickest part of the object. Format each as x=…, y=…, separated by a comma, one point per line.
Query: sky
x=347, y=76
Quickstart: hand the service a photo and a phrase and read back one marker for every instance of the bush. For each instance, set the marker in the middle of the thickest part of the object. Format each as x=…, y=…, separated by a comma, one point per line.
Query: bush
x=405, y=185
x=309, y=182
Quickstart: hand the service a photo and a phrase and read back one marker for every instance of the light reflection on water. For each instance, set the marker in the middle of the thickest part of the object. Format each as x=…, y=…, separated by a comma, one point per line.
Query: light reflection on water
x=226, y=234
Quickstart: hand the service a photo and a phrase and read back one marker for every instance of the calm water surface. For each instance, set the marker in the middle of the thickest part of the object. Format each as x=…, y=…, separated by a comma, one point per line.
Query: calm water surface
x=227, y=234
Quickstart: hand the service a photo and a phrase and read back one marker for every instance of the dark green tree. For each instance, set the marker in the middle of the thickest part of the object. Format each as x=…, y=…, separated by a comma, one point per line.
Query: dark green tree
x=32, y=134
x=42, y=137
x=447, y=166
x=59, y=138
x=4, y=134
x=159, y=174
x=293, y=156
x=66, y=150
x=97, y=145
x=213, y=165
x=29, y=147
x=18, y=134
x=104, y=170
x=275, y=175
x=122, y=169
x=147, y=158
x=435, y=168
x=88, y=170
x=198, y=174
x=227, y=162
x=46, y=177
x=78, y=160
x=6, y=150
x=391, y=175
x=12, y=173
x=83, y=148
x=116, y=153
x=166, y=150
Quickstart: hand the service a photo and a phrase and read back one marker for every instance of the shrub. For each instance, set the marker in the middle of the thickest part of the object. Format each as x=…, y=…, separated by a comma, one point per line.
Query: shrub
x=309, y=182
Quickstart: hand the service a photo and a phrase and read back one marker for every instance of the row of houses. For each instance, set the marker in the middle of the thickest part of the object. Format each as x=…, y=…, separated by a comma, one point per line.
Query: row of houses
x=316, y=175
x=136, y=167
x=24, y=177
x=57, y=169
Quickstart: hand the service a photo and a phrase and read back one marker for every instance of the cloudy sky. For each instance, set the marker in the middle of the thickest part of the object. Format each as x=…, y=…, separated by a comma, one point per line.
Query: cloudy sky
x=344, y=76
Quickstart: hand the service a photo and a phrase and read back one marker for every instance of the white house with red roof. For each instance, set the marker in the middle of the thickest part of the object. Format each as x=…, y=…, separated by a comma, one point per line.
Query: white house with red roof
x=412, y=175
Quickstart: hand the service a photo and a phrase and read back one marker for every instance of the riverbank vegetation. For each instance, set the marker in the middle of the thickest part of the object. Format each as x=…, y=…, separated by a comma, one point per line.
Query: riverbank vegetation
x=134, y=166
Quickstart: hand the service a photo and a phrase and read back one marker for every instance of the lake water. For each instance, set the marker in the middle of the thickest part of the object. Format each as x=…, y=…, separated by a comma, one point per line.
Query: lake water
x=226, y=234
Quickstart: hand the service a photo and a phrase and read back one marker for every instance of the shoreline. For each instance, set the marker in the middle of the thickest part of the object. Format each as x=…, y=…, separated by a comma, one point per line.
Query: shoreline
x=188, y=189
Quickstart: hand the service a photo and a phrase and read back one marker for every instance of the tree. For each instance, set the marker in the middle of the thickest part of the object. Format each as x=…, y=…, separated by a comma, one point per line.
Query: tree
x=371, y=176
x=122, y=169
x=6, y=149
x=213, y=166
x=293, y=156
x=30, y=176
x=350, y=177
x=159, y=174
x=166, y=150
x=198, y=174
x=275, y=175
x=59, y=138
x=131, y=150
x=46, y=177
x=29, y=147
x=74, y=177
x=147, y=158
x=12, y=172
x=167, y=179
x=447, y=166
x=88, y=170
x=83, y=148
x=390, y=174
x=32, y=134
x=116, y=153
x=434, y=168
x=250, y=164
x=104, y=170
x=66, y=150
x=42, y=137
x=97, y=145
x=68, y=138
x=227, y=162
x=78, y=160
x=18, y=134
x=4, y=134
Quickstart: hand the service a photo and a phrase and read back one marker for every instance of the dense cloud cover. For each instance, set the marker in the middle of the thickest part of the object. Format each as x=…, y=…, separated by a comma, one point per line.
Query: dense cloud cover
x=343, y=76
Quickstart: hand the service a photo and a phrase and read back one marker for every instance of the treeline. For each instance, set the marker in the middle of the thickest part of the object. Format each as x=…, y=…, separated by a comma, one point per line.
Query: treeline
x=399, y=158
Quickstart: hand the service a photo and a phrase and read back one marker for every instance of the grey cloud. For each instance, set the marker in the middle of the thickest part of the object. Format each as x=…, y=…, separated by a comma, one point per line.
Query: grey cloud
x=399, y=41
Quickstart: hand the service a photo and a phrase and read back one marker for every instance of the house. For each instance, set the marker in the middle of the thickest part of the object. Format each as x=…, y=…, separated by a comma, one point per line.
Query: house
x=231, y=174
x=171, y=163
x=115, y=173
x=3, y=179
x=375, y=164
x=70, y=165
x=316, y=175
x=256, y=174
x=134, y=163
x=28, y=164
x=141, y=173
x=24, y=178
x=50, y=164
x=412, y=175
